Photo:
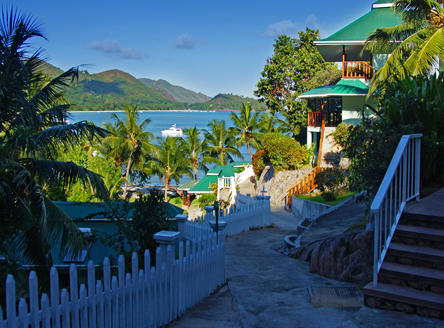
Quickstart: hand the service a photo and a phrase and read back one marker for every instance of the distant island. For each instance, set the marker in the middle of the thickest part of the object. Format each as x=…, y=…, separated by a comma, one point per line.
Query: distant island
x=111, y=90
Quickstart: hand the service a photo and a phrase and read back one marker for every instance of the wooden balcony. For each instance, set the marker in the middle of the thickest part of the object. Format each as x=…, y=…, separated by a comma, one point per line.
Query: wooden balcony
x=331, y=118
x=357, y=70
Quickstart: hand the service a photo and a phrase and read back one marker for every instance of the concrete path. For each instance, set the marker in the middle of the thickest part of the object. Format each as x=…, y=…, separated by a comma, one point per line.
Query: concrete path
x=268, y=289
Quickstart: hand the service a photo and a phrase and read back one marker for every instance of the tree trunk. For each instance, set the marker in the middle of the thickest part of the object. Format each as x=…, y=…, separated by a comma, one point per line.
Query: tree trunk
x=166, y=182
x=127, y=175
x=249, y=150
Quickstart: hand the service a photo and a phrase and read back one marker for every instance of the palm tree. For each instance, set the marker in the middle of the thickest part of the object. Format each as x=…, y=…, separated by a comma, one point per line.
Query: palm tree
x=197, y=150
x=222, y=142
x=129, y=144
x=169, y=161
x=269, y=122
x=33, y=126
x=246, y=126
x=416, y=46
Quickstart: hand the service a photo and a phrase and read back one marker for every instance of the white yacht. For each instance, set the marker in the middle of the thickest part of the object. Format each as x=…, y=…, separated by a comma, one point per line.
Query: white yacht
x=173, y=131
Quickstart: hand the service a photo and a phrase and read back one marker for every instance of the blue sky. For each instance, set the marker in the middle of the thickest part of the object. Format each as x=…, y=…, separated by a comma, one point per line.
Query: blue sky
x=205, y=46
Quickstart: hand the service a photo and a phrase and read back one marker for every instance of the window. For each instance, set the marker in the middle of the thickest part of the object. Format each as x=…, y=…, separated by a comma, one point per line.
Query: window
x=87, y=243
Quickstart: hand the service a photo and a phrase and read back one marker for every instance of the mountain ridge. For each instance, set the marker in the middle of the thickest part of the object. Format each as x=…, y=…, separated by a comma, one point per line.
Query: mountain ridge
x=113, y=89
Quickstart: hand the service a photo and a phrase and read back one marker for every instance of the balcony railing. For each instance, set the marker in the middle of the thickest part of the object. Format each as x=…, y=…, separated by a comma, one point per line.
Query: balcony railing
x=357, y=70
x=331, y=118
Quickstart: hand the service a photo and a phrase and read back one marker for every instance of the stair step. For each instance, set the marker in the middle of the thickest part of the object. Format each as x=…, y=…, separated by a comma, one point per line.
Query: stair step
x=416, y=252
x=420, y=232
x=406, y=295
x=422, y=275
x=423, y=220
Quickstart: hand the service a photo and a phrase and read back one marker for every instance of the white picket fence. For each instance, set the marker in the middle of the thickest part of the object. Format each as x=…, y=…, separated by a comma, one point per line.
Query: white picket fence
x=150, y=297
x=239, y=219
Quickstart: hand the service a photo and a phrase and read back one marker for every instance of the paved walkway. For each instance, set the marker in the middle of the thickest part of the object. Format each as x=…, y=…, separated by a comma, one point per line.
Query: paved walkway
x=268, y=289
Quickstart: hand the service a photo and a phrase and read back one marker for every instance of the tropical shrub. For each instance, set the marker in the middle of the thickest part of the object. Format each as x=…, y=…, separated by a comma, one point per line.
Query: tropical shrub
x=328, y=181
x=258, y=162
x=283, y=152
x=135, y=232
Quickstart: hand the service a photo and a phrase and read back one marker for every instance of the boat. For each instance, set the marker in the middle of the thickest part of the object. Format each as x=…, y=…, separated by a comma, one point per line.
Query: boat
x=173, y=131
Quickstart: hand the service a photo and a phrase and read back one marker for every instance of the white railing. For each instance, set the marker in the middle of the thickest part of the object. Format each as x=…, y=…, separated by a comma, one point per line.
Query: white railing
x=400, y=184
x=242, y=200
x=151, y=297
x=239, y=219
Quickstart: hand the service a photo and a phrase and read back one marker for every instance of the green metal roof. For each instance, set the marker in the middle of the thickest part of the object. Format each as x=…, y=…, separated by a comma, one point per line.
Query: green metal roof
x=187, y=185
x=361, y=28
x=316, y=93
x=79, y=210
x=383, y=1
x=204, y=185
x=345, y=87
x=353, y=36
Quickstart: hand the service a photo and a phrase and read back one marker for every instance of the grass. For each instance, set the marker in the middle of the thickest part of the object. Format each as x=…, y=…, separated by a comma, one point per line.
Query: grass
x=342, y=196
x=175, y=201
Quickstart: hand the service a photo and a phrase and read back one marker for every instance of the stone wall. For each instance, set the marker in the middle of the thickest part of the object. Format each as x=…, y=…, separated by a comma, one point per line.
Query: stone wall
x=304, y=209
x=277, y=184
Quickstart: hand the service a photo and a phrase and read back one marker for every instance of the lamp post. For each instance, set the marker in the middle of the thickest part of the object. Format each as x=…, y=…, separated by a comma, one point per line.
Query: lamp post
x=216, y=209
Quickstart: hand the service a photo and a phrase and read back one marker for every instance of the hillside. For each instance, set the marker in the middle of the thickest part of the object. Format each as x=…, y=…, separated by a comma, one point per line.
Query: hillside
x=179, y=93
x=114, y=89
x=229, y=102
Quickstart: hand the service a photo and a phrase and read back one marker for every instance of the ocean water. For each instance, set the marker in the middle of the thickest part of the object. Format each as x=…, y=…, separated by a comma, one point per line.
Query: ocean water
x=162, y=120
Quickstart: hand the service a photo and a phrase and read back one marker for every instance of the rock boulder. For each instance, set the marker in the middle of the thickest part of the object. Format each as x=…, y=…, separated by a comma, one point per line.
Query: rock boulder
x=347, y=257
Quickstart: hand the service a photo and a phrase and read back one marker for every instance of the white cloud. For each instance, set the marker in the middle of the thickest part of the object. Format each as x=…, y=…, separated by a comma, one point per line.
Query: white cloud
x=112, y=47
x=184, y=41
x=286, y=27
x=313, y=22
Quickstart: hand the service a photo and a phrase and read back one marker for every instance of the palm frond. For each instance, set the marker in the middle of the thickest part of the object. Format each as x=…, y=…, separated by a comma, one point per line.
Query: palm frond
x=65, y=173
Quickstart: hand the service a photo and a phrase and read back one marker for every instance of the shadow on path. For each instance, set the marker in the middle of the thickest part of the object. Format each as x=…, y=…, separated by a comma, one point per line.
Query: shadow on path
x=268, y=289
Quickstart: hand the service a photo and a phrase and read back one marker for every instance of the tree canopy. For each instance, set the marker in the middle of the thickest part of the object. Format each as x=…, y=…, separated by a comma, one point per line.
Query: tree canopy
x=416, y=45
x=33, y=126
x=290, y=72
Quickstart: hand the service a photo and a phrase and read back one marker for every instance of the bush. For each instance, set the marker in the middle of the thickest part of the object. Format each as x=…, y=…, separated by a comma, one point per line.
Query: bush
x=328, y=181
x=135, y=231
x=283, y=152
x=258, y=162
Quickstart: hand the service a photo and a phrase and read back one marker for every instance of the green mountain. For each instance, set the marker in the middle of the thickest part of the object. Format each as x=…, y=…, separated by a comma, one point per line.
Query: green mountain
x=229, y=102
x=112, y=90
x=179, y=93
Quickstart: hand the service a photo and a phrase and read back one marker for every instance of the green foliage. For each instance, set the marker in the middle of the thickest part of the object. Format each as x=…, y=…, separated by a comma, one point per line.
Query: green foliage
x=246, y=126
x=342, y=133
x=112, y=90
x=222, y=142
x=309, y=154
x=135, y=231
x=418, y=102
x=228, y=102
x=169, y=161
x=130, y=143
x=258, y=162
x=205, y=200
x=179, y=94
x=328, y=181
x=33, y=126
x=416, y=45
x=283, y=152
x=290, y=72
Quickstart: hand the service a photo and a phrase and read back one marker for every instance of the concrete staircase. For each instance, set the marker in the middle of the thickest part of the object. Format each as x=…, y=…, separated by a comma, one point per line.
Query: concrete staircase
x=411, y=278
x=330, y=151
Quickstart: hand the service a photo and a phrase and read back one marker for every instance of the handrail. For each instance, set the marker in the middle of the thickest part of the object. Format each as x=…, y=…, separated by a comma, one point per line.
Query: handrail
x=304, y=184
x=357, y=69
x=400, y=184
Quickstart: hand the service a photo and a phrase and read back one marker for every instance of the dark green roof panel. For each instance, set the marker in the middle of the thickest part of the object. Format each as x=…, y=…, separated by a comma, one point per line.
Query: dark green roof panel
x=361, y=28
